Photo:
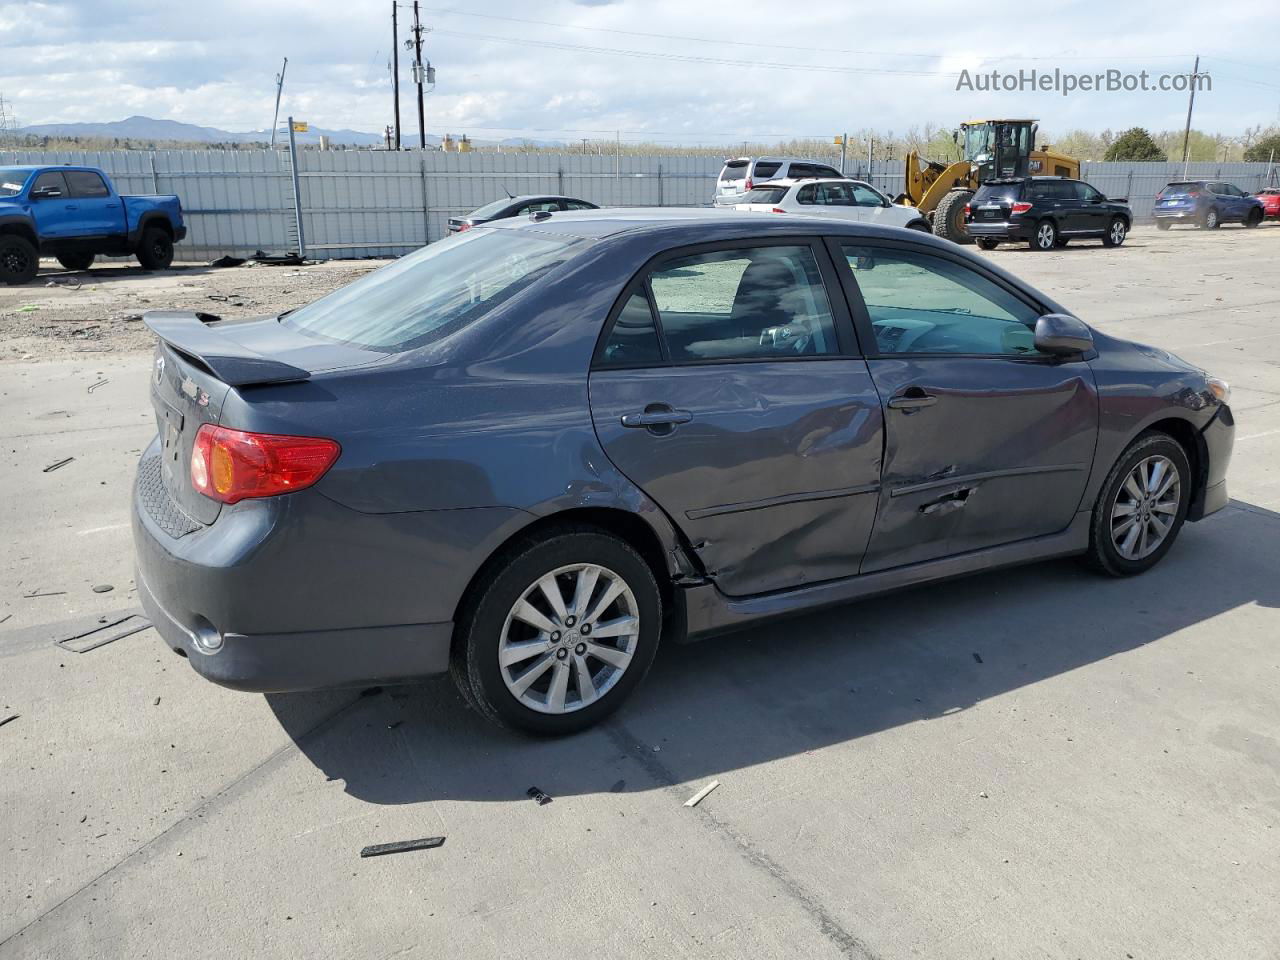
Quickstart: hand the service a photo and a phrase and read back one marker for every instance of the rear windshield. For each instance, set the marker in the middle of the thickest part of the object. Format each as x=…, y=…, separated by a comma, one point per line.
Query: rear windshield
x=433, y=292
x=489, y=209
x=998, y=191
x=734, y=170
x=765, y=195
x=1180, y=188
x=11, y=181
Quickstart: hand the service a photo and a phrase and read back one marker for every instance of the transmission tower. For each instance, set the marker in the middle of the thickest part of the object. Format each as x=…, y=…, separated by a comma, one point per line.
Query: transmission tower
x=8, y=124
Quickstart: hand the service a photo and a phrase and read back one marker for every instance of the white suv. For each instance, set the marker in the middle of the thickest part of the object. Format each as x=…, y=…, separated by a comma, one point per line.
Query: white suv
x=841, y=198
x=740, y=175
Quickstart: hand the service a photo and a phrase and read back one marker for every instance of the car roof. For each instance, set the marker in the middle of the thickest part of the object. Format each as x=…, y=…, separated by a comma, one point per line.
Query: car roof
x=796, y=181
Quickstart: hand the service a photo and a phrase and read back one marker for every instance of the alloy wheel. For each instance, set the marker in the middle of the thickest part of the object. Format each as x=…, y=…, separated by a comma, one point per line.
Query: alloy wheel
x=1044, y=236
x=16, y=260
x=1117, y=232
x=569, y=638
x=1145, y=507
x=1211, y=219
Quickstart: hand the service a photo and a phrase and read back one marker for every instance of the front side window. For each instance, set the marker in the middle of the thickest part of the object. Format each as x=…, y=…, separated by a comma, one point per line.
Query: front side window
x=550, y=206
x=922, y=304
x=864, y=196
x=86, y=183
x=1086, y=192
x=744, y=304
x=50, y=178
x=434, y=291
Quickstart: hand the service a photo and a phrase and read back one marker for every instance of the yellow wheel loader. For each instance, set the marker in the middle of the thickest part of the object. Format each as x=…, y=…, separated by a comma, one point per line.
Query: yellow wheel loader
x=989, y=150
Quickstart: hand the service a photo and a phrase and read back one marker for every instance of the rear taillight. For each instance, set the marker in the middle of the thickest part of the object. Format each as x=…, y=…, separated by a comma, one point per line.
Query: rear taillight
x=1159, y=196
x=750, y=185
x=966, y=210
x=463, y=226
x=1020, y=206
x=777, y=210
x=233, y=465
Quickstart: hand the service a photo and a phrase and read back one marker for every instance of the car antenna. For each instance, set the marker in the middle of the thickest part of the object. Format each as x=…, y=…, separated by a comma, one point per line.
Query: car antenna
x=510, y=195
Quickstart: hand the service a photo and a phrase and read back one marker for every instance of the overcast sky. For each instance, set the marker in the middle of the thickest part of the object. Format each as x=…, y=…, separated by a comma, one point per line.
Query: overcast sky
x=847, y=65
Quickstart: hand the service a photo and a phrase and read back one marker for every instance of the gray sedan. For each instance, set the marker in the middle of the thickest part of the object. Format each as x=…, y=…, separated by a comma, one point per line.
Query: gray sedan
x=529, y=453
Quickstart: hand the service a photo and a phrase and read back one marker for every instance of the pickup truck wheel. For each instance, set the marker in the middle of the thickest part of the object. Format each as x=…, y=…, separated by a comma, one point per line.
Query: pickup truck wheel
x=155, y=251
x=76, y=261
x=19, y=261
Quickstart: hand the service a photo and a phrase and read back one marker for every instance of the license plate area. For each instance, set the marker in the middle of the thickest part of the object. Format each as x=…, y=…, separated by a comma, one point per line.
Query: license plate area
x=170, y=422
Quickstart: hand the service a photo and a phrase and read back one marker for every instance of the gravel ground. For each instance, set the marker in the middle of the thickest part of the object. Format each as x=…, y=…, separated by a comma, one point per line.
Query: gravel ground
x=67, y=312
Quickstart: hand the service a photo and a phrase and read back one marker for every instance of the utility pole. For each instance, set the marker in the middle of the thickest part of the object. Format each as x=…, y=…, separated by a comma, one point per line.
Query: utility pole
x=419, y=75
x=844, y=146
x=1186, y=134
x=395, y=69
x=275, y=118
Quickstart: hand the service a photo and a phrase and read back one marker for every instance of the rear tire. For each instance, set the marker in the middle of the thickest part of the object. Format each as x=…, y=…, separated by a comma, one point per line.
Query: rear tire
x=1163, y=224
x=948, y=218
x=155, y=249
x=987, y=243
x=1045, y=237
x=1211, y=221
x=76, y=261
x=1126, y=503
x=1116, y=233
x=488, y=629
x=1254, y=218
x=19, y=261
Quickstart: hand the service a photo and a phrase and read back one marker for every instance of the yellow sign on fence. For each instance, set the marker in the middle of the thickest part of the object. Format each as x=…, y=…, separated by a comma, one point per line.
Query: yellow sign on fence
x=299, y=126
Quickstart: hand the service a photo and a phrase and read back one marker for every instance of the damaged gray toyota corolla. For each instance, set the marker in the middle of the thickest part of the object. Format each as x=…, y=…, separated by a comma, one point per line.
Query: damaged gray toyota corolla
x=527, y=453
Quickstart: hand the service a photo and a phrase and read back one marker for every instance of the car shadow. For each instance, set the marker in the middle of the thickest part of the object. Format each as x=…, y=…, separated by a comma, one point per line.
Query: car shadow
x=706, y=709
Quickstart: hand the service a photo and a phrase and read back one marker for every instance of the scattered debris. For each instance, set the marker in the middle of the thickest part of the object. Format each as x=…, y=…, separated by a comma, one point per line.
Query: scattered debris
x=228, y=261
x=698, y=797
x=977, y=658
x=100, y=636
x=84, y=818
x=59, y=463
x=47, y=593
x=29, y=308
x=401, y=846
x=5, y=617
x=216, y=296
x=102, y=588
x=618, y=787
x=536, y=794
x=7, y=719
x=983, y=795
x=156, y=702
x=392, y=726
x=102, y=382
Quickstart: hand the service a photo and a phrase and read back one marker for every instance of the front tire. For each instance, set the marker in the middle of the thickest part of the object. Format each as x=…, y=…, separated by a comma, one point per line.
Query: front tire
x=558, y=633
x=1141, y=508
x=987, y=243
x=1116, y=233
x=1045, y=237
x=19, y=260
x=155, y=249
x=948, y=218
x=76, y=261
x=1254, y=218
x=1163, y=224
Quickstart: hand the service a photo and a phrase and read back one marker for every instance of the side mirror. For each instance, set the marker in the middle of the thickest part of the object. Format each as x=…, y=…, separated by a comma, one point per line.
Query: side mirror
x=1060, y=335
x=864, y=263
x=45, y=193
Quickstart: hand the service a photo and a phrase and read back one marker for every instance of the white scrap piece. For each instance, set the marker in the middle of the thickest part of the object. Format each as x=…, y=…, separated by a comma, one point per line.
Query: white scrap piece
x=698, y=797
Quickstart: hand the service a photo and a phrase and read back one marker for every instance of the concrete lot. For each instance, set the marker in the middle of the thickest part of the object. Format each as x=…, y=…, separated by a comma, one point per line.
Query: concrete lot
x=1032, y=763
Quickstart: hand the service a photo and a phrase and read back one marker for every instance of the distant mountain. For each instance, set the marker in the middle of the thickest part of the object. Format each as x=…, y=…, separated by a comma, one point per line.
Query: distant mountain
x=148, y=128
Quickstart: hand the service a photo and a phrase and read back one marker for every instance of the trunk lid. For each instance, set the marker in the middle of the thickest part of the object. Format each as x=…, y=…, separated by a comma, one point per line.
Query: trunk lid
x=200, y=360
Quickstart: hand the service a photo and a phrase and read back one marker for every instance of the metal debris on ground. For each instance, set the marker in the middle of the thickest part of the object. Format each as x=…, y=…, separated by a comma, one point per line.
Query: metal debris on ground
x=54, y=466
x=698, y=797
x=102, y=588
x=95, y=386
x=227, y=261
x=977, y=658
x=535, y=794
x=7, y=719
x=46, y=593
x=100, y=636
x=401, y=846
x=5, y=617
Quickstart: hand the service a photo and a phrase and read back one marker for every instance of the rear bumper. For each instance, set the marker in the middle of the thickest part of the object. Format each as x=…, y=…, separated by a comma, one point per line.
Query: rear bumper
x=1175, y=214
x=1219, y=439
x=1000, y=230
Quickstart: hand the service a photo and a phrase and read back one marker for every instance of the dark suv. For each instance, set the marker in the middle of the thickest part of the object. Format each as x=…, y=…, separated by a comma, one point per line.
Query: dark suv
x=1046, y=212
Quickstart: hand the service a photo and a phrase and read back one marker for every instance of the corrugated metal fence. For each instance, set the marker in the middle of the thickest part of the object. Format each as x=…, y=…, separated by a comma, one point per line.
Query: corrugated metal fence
x=365, y=203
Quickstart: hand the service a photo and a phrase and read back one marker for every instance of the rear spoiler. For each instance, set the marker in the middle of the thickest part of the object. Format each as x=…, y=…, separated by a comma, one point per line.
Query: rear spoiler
x=232, y=363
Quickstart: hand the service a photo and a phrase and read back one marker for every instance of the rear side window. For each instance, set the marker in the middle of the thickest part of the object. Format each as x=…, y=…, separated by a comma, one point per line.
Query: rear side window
x=86, y=183
x=633, y=341
x=766, y=169
x=734, y=170
x=744, y=304
x=579, y=205
x=803, y=171
x=435, y=291
x=826, y=172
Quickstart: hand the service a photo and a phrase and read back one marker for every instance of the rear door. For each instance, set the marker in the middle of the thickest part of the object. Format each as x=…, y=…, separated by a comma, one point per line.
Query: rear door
x=101, y=213
x=987, y=441
x=728, y=387
x=54, y=216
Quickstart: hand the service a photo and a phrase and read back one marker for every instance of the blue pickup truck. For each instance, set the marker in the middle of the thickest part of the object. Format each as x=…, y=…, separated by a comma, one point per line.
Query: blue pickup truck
x=74, y=213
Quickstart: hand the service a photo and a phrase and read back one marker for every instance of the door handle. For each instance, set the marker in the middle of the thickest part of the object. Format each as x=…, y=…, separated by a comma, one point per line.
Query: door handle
x=656, y=418
x=72, y=206
x=911, y=399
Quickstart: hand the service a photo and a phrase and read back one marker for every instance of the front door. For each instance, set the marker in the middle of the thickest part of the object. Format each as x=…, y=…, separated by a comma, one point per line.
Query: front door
x=728, y=388
x=56, y=216
x=987, y=440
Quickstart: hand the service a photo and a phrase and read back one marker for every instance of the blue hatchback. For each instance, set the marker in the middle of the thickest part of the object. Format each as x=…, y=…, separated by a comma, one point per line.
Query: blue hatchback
x=1206, y=203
